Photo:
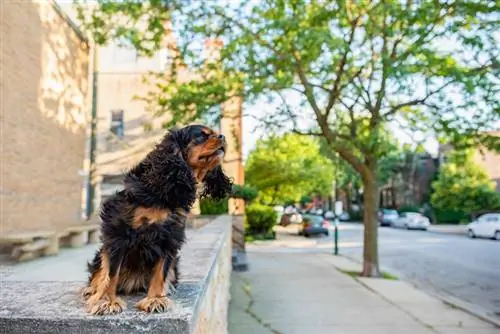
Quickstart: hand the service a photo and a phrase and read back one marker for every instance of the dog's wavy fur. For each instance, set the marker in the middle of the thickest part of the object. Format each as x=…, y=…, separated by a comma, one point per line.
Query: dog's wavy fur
x=143, y=226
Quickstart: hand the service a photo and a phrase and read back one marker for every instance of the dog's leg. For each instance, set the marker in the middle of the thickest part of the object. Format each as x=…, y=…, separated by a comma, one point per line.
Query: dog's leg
x=171, y=271
x=104, y=284
x=156, y=300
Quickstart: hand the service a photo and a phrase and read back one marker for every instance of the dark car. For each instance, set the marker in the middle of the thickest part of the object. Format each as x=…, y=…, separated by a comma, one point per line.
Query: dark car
x=313, y=225
x=387, y=216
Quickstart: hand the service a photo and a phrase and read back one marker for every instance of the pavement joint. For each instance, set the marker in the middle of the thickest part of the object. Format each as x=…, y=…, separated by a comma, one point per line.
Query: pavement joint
x=399, y=307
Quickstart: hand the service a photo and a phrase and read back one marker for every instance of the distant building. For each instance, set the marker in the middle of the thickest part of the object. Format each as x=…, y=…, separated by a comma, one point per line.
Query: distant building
x=45, y=112
x=410, y=185
x=489, y=160
x=121, y=138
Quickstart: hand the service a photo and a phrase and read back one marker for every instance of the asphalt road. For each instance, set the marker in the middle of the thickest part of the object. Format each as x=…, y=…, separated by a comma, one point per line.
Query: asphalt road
x=468, y=269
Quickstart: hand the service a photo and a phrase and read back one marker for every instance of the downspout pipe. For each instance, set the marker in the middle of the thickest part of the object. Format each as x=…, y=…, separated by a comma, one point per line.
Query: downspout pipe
x=90, y=188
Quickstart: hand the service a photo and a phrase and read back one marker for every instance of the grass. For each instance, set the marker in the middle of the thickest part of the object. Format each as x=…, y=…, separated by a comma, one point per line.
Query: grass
x=384, y=274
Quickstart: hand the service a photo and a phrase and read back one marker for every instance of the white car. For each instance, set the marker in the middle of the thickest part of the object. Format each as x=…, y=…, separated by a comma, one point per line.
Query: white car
x=486, y=226
x=411, y=220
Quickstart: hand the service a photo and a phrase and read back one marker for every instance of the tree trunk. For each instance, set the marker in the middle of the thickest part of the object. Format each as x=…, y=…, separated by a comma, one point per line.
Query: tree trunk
x=276, y=189
x=349, y=198
x=370, y=207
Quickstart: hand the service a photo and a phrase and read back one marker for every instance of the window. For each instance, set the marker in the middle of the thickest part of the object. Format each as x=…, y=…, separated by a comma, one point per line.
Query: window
x=492, y=218
x=116, y=126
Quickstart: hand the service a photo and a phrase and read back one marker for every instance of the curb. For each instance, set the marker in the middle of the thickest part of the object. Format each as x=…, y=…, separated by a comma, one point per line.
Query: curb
x=463, y=234
x=467, y=307
x=452, y=301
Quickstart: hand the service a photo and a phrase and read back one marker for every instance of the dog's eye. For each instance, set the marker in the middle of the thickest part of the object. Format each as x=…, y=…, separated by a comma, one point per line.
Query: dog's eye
x=201, y=137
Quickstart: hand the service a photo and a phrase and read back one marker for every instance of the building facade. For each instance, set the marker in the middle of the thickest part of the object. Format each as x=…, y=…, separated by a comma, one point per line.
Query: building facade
x=44, y=117
x=487, y=159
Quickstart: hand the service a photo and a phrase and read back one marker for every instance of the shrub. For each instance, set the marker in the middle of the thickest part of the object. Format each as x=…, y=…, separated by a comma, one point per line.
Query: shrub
x=449, y=216
x=209, y=206
x=305, y=199
x=246, y=193
x=356, y=216
x=259, y=220
x=409, y=208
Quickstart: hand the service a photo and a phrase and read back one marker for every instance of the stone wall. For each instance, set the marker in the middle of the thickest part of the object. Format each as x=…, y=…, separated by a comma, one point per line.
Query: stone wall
x=213, y=308
x=42, y=305
x=44, y=114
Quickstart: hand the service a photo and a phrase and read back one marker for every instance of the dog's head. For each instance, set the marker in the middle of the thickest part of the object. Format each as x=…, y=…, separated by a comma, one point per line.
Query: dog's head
x=203, y=151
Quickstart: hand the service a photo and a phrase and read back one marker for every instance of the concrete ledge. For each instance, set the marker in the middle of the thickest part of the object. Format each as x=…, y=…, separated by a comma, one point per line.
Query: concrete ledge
x=201, y=301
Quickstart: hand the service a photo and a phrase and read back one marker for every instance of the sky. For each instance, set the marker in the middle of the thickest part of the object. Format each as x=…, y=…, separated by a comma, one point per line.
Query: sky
x=252, y=133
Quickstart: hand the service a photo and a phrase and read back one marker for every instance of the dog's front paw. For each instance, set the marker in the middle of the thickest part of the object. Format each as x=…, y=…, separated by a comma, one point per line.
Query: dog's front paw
x=87, y=292
x=105, y=306
x=154, y=304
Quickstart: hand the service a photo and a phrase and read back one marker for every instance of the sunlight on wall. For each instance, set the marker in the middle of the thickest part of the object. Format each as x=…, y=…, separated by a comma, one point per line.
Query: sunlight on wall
x=64, y=79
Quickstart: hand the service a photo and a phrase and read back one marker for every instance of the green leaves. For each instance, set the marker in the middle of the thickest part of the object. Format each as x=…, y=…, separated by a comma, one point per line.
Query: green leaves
x=354, y=66
x=287, y=167
x=462, y=186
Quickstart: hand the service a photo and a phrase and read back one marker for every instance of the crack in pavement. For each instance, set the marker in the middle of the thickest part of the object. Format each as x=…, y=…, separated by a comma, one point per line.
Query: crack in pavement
x=248, y=310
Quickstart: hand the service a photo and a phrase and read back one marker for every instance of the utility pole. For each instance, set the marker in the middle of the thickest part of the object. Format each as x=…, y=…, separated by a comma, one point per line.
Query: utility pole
x=337, y=209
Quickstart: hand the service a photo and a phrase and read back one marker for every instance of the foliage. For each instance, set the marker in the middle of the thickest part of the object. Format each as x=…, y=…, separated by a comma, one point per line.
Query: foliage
x=339, y=69
x=284, y=167
x=305, y=199
x=260, y=219
x=449, y=217
x=409, y=208
x=462, y=186
x=245, y=192
x=210, y=206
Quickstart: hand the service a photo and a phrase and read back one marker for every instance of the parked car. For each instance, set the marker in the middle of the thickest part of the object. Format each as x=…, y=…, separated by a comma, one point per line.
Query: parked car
x=344, y=217
x=313, y=225
x=387, y=216
x=329, y=215
x=412, y=221
x=486, y=226
x=293, y=218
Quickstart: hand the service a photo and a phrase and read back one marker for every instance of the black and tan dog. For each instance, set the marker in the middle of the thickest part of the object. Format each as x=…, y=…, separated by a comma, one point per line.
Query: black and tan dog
x=143, y=225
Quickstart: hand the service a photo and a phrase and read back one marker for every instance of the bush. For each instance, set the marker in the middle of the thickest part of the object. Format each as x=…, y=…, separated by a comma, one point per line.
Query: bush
x=305, y=200
x=356, y=216
x=246, y=193
x=409, y=208
x=449, y=216
x=259, y=220
x=209, y=206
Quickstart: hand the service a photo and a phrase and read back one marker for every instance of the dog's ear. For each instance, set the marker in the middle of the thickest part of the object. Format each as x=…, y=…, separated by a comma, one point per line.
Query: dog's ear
x=173, y=142
x=164, y=176
x=216, y=184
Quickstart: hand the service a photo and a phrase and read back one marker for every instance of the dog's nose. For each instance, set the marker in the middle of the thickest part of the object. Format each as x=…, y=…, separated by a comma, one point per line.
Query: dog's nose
x=221, y=137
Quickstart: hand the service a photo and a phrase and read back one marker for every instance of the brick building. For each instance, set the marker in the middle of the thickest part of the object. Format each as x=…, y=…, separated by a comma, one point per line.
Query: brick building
x=121, y=138
x=44, y=116
x=488, y=160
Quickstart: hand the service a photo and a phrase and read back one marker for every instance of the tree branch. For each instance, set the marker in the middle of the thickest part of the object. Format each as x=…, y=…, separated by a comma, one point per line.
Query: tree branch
x=385, y=64
x=335, y=92
x=305, y=83
x=415, y=102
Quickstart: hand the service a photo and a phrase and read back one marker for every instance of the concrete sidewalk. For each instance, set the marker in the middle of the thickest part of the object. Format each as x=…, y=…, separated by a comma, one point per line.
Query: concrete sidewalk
x=305, y=293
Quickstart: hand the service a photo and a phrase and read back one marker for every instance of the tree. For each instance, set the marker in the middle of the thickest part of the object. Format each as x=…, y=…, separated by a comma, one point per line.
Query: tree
x=341, y=70
x=283, y=168
x=463, y=186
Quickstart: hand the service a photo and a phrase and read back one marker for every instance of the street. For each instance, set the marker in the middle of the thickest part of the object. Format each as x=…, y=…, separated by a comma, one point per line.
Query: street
x=468, y=269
